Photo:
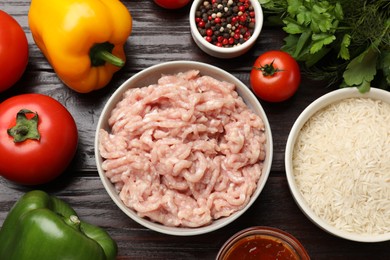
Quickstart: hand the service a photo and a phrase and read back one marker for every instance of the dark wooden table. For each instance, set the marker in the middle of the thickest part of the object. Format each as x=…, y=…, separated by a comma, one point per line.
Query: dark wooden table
x=161, y=35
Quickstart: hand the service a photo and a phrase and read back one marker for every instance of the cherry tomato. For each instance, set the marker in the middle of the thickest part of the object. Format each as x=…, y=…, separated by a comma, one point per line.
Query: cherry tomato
x=275, y=76
x=172, y=4
x=38, y=139
x=13, y=51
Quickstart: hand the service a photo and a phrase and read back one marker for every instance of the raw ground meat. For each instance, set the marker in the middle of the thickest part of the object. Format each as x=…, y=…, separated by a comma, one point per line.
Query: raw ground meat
x=185, y=151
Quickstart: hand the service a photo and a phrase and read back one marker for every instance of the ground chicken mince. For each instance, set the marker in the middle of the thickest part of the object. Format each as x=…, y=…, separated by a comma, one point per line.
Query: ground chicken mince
x=185, y=151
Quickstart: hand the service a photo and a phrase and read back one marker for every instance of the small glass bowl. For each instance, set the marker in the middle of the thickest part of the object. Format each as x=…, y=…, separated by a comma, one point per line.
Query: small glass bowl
x=262, y=243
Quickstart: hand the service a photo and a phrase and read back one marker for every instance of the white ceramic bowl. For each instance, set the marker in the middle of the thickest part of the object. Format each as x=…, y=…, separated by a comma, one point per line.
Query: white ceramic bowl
x=228, y=52
x=317, y=105
x=150, y=76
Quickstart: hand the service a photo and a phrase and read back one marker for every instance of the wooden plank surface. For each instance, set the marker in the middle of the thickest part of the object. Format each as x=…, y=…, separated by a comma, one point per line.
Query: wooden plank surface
x=161, y=35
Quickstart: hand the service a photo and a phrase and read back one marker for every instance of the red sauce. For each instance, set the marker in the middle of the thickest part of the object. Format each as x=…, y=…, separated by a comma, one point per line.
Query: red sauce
x=261, y=247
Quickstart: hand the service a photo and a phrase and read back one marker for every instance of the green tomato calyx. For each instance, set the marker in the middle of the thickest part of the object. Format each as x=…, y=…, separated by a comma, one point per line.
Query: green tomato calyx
x=26, y=126
x=268, y=69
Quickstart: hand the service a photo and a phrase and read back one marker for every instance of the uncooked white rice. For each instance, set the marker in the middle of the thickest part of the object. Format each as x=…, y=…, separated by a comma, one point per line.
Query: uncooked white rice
x=341, y=163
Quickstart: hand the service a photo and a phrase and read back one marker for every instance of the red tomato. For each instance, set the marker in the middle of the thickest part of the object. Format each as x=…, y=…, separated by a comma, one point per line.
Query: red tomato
x=33, y=162
x=275, y=76
x=13, y=51
x=172, y=4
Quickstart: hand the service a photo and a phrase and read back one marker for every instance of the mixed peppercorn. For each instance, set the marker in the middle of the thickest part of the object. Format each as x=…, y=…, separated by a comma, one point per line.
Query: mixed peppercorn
x=225, y=23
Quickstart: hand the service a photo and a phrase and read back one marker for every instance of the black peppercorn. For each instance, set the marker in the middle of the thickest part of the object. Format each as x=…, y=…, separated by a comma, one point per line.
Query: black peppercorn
x=225, y=23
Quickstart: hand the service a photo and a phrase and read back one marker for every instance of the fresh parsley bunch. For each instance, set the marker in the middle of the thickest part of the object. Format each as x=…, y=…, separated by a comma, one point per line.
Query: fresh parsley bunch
x=338, y=40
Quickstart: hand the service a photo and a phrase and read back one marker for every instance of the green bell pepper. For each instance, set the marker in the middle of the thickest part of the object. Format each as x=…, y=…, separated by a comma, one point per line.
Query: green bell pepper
x=42, y=227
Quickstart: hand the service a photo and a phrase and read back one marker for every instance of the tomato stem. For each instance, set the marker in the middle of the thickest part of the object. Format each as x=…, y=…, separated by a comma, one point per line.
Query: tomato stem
x=25, y=128
x=268, y=69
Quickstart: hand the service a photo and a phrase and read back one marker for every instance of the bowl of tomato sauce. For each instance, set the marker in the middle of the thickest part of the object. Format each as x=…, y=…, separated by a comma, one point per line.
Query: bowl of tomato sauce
x=261, y=242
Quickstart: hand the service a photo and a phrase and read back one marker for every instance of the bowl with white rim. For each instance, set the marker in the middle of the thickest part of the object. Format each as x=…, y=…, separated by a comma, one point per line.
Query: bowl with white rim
x=225, y=52
x=330, y=170
x=150, y=76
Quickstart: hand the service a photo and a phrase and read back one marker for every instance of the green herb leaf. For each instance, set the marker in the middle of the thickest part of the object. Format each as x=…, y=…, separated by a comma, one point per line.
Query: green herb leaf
x=302, y=42
x=264, y=2
x=294, y=7
x=338, y=11
x=292, y=26
x=319, y=40
x=322, y=17
x=273, y=6
x=385, y=65
x=361, y=69
x=312, y=58
x=290, y=46
x=321, y=23
x=321, y=7
x=344, y=51
x=304, y=18
x=290, y=42
x=364, y=87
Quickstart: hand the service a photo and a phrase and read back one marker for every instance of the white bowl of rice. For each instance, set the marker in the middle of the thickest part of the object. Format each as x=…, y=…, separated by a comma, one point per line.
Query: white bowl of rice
x=338, y=164
x=183, y=148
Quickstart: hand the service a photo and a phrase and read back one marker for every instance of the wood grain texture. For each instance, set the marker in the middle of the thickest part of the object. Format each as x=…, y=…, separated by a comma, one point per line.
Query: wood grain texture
x=162, y=35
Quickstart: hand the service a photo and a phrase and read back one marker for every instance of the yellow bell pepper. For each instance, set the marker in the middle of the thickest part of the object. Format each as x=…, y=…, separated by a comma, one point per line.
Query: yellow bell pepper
x=82, y=39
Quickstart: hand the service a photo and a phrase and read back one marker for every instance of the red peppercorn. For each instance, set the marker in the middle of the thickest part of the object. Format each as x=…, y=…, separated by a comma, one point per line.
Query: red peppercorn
x=208, y=38
x=201, y=24
x=225, y=41
x=209, y=32
x=217, y=20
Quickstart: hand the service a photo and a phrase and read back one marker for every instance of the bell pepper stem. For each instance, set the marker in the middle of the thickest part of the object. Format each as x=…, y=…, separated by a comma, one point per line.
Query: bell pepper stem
x=73, y=221
x=101, y=53
x=110, y=58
